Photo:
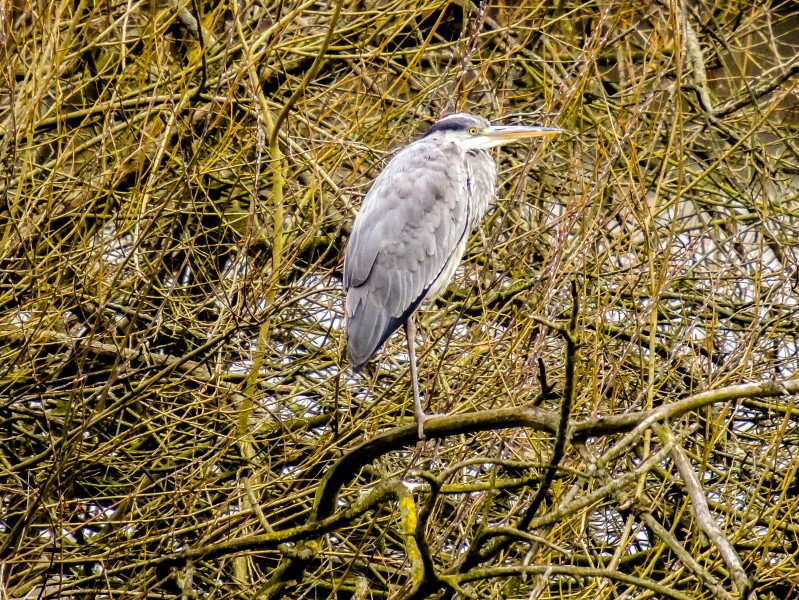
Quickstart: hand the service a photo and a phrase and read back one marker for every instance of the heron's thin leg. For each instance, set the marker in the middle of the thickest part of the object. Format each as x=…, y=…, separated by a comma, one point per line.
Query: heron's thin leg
x=410, y=334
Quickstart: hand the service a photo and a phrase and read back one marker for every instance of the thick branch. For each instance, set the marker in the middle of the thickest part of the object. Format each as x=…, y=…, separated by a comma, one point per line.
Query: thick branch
x=569, y=570
x=704, y=519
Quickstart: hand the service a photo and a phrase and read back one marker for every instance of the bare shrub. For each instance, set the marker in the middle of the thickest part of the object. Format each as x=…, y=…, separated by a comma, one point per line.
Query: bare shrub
x=615, y=360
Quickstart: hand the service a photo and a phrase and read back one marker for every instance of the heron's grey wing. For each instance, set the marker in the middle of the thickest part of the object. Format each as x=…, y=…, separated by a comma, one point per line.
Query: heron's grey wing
x=411, y=222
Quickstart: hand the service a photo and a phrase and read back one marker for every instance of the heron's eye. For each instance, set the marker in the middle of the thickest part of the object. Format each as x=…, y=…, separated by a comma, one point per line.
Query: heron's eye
x=473, y=131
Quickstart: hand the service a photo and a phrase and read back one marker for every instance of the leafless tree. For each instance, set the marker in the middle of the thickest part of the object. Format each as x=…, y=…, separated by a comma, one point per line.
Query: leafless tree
x=614, y=364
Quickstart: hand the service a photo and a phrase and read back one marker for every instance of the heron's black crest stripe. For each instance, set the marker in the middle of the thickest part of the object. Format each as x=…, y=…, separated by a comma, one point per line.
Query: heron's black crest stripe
x=453, y=124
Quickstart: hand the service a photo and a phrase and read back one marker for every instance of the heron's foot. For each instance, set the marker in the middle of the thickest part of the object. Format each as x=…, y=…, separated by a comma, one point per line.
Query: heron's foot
x=420, y=419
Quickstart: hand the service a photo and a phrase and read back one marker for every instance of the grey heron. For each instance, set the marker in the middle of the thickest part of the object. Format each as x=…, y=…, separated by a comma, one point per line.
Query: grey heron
x=411, y=231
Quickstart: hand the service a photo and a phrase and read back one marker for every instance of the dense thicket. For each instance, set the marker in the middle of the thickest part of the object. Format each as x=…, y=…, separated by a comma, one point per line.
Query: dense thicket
x=616, y=357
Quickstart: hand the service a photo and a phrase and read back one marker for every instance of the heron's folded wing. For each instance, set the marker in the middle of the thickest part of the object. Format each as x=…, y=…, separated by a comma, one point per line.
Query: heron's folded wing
x=411, y=222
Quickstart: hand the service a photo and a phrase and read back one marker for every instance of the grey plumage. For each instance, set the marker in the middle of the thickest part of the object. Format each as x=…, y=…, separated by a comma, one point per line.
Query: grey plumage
x=413, y=224
x=411, y=232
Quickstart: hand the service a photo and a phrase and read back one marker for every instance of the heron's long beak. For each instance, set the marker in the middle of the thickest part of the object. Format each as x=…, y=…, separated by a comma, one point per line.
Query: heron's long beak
x=496, y=135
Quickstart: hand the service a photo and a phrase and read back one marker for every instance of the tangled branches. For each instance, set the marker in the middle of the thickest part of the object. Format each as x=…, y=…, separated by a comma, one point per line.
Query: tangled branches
x=614, y=364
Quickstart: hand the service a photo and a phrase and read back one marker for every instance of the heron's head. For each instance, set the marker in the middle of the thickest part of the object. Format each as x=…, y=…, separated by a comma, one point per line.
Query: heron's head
x=473, y=132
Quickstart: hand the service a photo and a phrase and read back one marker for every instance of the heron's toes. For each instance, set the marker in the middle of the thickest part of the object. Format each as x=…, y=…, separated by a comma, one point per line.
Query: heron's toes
x=420, y=419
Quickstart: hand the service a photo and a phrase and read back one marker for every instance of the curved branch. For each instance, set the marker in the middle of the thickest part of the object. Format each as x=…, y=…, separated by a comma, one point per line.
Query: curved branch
x=381, y=493
x=291, y=570
x=626, y=422
x=435, y=428
x=572, y=571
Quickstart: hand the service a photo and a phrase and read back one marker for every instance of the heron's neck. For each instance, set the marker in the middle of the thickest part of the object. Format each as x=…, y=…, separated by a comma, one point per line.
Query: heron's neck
x=482, y=176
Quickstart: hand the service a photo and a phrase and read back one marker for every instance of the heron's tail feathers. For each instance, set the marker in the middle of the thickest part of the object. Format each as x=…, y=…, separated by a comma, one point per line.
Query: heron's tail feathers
x=368, y=327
